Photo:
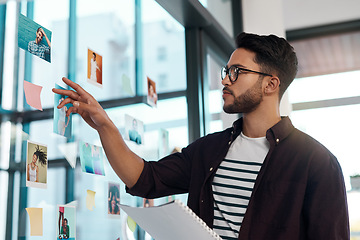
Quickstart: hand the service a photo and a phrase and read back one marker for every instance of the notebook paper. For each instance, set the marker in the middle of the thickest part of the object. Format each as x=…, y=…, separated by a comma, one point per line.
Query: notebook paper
x=172, y=220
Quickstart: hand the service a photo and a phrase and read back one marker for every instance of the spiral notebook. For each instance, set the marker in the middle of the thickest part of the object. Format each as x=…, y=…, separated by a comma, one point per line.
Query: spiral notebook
x=172, y=220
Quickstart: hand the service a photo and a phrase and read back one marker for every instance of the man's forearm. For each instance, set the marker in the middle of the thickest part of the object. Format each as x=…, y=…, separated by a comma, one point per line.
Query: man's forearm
x=127, y=165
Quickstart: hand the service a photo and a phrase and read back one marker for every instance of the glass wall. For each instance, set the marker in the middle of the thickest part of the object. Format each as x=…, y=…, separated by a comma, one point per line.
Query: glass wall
x=163, y=49
x=131, y=43
x=108, y=30
x=216, y=118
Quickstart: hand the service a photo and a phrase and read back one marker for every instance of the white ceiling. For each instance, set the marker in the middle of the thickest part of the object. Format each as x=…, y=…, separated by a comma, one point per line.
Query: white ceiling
x=309, y=13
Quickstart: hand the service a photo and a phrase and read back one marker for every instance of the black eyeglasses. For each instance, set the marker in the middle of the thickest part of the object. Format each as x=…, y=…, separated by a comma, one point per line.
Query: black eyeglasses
x=234, y=71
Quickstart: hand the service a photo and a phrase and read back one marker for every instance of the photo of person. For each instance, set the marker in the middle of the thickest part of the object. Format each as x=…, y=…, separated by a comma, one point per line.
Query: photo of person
x=151, y=95
x=134, y=129
x=62, y=123
x=66, y=228
x=34, y=38
x=91, y=158
x=114, y=199
x=94, y=74
x=36, y=167
x=148, y=202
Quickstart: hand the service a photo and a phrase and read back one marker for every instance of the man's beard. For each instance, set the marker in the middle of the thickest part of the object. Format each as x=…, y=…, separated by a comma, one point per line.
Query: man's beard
x=246, y=102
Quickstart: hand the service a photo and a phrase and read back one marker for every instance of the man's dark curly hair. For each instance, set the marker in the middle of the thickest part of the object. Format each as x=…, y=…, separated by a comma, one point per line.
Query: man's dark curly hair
x=41, y=155
x=273, y=54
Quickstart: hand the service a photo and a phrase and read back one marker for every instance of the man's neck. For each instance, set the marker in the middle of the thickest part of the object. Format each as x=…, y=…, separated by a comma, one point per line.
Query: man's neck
x=256, y=123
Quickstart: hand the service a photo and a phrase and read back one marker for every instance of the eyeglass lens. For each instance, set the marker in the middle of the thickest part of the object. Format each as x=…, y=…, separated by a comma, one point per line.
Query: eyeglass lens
x=232, y=71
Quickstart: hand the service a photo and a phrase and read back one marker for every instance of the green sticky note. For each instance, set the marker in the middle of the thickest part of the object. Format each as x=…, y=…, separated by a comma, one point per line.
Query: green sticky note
x=131, y=223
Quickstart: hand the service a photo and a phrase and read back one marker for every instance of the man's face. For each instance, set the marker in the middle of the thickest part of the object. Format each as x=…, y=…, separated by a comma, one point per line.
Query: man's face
x=246, y=93
x=39, y=37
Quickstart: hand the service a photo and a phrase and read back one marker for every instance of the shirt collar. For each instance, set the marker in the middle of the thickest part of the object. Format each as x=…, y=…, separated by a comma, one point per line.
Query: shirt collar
x=280, y=130
x=275, y=134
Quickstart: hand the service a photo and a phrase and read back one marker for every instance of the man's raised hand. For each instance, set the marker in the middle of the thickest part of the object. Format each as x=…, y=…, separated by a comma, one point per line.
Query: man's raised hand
x=84, y=104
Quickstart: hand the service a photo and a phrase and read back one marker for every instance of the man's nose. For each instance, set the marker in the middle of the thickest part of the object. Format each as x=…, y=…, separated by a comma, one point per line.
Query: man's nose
x=226, y=81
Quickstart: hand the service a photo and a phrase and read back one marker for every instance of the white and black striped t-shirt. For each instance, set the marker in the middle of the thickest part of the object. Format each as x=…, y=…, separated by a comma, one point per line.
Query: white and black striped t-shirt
x=234, y=181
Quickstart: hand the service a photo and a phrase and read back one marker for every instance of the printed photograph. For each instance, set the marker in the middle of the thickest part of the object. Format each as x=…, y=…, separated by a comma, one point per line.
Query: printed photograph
x=113, y=199
x=62, y=123
x=91, y=158
x=66, y=222
x=151, y=95
x=134, y=129
x=36, y=165
x=34, y=38
x=94, y=73
x=148, y=202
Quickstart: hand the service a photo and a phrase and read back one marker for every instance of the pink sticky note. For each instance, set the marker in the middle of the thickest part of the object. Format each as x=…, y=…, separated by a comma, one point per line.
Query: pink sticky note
x=32, y=94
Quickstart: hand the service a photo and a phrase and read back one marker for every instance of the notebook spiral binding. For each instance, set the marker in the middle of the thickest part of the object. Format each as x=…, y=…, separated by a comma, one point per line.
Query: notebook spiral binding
x=205, y=226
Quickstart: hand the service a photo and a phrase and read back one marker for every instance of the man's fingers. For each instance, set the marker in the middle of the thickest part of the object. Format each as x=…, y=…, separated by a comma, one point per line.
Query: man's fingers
x=76, y=87
x=71, y=110
x=68, y=93
x=84, y=107
x=64, y=102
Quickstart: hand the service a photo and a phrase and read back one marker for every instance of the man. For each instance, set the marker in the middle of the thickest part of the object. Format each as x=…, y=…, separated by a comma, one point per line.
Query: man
x=261, y=178
x=38, y=48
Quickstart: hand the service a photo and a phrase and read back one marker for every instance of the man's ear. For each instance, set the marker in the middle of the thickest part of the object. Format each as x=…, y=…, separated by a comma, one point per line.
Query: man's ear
x=272, y=85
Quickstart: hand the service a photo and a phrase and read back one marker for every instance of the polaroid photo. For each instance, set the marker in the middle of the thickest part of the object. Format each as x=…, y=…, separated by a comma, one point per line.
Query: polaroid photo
x=113, y=199
x=134, y=130
x=66, y=222
x=36, y=165
x=91, y=158
x=62, y=123
x=151, y=93
x=34, y=38
x=94, y=72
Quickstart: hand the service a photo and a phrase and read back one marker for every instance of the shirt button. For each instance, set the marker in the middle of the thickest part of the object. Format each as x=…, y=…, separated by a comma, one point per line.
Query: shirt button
x=211, y=169
x=202, y=201
x=229, y=142
x=277, y=140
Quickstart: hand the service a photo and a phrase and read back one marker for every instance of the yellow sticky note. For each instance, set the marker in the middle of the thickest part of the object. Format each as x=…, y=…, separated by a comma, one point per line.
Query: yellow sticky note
x=90, y=200
x=131, y=223
x=36, y=221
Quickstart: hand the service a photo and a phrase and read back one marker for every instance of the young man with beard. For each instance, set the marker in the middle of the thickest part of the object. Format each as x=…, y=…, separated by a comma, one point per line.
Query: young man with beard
x=38, y=48
x=260, y=179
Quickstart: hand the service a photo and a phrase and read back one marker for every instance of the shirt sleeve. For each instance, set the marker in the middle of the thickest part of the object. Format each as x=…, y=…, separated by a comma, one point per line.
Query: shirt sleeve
x=170, y=175
x=29, y=47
